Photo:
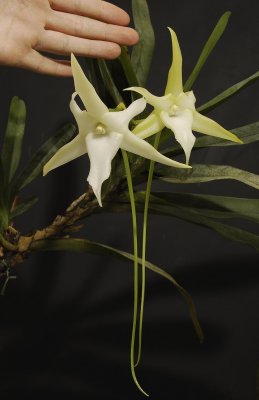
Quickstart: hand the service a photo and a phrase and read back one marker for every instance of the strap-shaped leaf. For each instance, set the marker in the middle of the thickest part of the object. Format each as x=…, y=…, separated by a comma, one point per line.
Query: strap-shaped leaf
x=90, y=68
x=108, y=82
x=193, y=216
x=227, y=94
x=211, y=206
x=209, y=46
x=206, y=173
x=84, y=245
x=4, y=214
x=4, y=219
x=142, y=53
x=128, y=67
x=2, y=189
x=129, y=73
x=43, y=155
x=225, y=230
x=23, y=207
x=12, y=144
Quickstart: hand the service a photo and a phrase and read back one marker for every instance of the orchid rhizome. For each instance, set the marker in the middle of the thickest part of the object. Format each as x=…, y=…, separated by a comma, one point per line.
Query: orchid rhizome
x=128, y=144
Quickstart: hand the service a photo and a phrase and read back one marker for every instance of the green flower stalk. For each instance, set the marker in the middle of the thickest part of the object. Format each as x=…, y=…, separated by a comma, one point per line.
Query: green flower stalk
x=176, y=110
x=101, y=134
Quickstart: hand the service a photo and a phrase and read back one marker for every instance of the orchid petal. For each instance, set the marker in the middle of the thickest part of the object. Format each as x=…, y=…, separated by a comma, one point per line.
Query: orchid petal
x=186, y=100
x=101, y=150
x=181, y=125
x=175, y=80
x=155, y=101
x=207, y=126
x=149, y=126
x=84, y=121
x=138, y=146
x=65, y=154
x=86, y=91
x=119, y=121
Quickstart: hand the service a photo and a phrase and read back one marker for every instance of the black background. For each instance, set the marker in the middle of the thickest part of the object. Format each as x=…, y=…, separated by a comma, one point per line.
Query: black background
x=66, y=321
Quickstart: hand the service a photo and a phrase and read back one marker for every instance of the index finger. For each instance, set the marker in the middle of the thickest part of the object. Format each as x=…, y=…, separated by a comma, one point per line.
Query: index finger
x=96, y=9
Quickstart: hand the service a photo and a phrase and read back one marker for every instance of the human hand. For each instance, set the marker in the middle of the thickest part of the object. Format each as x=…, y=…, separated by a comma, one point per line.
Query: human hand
x=91, y=28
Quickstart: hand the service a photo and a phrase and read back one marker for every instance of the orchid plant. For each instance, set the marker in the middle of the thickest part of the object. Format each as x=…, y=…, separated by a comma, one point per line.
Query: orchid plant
x=104, y=128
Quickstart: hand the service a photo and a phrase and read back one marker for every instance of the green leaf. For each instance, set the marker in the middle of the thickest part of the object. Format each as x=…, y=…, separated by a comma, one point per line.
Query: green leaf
x=142, y=53
x=128, y=67
x=161, y=207
x=84, y=245
x=209, y=46
x=2, y=190
x=108, y=82
x=4, y=219
x=23, y=207
x=206, y=173
x=4, y=212
x=225, y=230
x=90, y=66
x=227, y=94
x=43, y=155
x=211, y=206
x=130, y=75
x=12, y=144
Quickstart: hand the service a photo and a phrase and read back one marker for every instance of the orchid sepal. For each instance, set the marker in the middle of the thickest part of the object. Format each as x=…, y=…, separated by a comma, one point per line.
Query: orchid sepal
x=175, y=80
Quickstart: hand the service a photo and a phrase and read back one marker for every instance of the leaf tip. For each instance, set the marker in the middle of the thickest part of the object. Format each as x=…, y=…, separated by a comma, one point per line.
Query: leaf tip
x=227, y=14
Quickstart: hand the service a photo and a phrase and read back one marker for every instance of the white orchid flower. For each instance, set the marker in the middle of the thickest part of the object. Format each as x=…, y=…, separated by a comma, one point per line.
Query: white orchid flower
x=176, y=110
x=101, y=134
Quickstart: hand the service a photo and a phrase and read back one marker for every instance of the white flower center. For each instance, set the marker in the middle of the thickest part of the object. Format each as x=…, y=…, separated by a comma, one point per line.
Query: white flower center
x=100, y=129
x=174, y=110
x=182, y=102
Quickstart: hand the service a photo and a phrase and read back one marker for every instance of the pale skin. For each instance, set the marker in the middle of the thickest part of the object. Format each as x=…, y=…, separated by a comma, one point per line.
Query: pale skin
x=30, y=28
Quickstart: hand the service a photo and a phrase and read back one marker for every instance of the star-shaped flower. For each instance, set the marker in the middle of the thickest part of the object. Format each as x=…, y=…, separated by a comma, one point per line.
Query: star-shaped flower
x=176, y=110
x=101, y=134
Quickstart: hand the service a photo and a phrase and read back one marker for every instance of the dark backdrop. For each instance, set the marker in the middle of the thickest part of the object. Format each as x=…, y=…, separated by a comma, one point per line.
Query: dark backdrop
x=66, y=320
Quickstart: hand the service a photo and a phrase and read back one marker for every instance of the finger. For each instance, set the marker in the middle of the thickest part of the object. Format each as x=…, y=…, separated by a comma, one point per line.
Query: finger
x=89, y=28
x=60, y=43
x=97, y=9
x=36, y=62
